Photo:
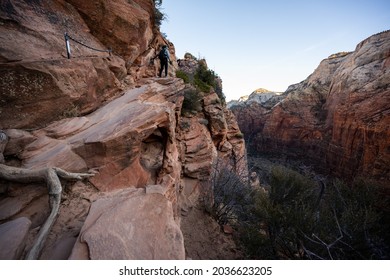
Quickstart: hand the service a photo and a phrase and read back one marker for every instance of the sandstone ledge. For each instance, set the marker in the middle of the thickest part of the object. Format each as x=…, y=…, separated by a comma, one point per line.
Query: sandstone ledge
x=141, y=227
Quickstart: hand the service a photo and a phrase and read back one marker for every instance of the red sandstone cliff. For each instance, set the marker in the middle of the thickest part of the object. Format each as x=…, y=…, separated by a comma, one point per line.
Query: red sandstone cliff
x=38, y=84
x=106, y=113
x=338, y=118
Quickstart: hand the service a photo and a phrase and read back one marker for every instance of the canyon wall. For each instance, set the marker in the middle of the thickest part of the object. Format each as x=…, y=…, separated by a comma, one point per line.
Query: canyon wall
x=40, y=85
x=105, y=113
x=337, y=119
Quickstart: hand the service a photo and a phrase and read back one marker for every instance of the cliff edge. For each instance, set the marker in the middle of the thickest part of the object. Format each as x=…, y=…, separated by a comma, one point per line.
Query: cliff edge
x=103, y=112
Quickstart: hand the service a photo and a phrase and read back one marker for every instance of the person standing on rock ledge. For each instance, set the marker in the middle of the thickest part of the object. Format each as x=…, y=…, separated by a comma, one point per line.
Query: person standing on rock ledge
x=163, y=55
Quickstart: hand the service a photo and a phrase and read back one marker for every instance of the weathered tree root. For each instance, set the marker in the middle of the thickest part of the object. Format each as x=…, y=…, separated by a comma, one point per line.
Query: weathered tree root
x=51, y=177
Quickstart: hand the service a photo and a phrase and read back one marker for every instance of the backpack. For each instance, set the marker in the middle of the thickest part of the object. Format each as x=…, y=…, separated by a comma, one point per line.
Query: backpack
x=163, y=55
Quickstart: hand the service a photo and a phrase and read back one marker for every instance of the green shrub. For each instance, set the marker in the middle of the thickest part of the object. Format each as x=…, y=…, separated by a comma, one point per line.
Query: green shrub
x=159, y=16
x=201, y=85
x=183, y=75
x=301, y=218
x=192, y=101
x=286, y=211
x=327, y=221
x=203, y=79
x=239, y=135
x=205, y=75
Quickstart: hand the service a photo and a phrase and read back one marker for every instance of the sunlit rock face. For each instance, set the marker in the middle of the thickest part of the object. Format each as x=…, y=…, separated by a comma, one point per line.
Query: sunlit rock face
x=338, y=118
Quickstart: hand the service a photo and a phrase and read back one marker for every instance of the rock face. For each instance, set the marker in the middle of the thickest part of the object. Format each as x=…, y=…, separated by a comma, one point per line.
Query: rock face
x=220, y=125
x=261, y=96
x=338, y=117
x=106, y=114
x=129, y=24
x=136, y=140
x=127, y=141
x=141, y=227
x=39, y=84
x=13, y=237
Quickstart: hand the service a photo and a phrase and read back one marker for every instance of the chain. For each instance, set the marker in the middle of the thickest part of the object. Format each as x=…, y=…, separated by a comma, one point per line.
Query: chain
x=81, y=43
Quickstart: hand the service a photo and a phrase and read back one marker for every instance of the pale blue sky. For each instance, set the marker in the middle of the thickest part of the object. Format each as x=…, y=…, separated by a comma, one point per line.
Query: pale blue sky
x=269, y=44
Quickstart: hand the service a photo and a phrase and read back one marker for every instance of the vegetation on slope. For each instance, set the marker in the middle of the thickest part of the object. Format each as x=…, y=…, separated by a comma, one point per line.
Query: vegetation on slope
x=300, y=218
x=202, y=81
x=159, y=16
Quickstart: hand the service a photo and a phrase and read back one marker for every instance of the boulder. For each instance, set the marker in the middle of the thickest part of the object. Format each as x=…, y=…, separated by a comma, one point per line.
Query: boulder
x=13, y=237
x=130, y=140
x=130, y=225
x=19, y=199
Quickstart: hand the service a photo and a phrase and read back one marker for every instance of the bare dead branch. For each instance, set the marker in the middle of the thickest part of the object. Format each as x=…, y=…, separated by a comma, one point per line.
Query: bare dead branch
x=51, y=177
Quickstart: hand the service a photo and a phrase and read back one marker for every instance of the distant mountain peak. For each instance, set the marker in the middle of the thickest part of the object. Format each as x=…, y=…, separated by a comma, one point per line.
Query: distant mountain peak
x=260, y=96
x=261, y=90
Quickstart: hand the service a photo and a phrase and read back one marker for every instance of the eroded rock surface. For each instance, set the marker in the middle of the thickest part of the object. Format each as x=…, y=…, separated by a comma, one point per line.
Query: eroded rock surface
x=141, y=227
x=339, y=117
x=13, y=237
x=40, y=85
x=107, y=114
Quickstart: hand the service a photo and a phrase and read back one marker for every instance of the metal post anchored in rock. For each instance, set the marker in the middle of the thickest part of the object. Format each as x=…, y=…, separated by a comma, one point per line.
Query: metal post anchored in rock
x=67, y=45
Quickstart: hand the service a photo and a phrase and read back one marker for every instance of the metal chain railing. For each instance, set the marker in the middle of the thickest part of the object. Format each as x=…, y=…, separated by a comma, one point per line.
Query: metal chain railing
x=68, y=37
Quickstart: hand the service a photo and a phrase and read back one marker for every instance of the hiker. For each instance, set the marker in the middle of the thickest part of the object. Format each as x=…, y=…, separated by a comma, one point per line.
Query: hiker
x=163, y=55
